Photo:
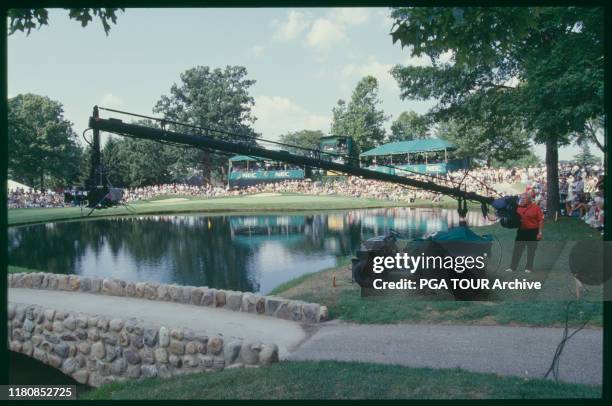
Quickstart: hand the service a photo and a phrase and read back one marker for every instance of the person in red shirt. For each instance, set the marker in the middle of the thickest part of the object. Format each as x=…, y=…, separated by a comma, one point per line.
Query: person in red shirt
x=528, y=233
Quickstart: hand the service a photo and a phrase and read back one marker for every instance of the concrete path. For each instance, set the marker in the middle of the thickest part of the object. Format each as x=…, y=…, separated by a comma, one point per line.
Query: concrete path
x=520, y=351
x=286, y=334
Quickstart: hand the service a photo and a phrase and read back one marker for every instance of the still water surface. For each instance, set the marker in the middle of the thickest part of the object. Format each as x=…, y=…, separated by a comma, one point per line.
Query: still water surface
x=248, y=253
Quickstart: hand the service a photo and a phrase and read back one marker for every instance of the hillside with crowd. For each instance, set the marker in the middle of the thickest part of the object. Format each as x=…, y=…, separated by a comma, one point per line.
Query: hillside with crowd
x=580, y=189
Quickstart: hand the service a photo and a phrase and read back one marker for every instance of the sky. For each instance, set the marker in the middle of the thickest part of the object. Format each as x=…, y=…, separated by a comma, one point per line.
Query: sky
x=303, y=61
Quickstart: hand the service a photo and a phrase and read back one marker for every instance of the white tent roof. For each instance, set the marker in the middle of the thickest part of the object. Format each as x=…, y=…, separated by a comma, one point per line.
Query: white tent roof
x=12, y=185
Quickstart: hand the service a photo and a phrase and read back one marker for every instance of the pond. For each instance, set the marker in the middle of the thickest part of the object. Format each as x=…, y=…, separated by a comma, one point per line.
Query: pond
x=240, y=252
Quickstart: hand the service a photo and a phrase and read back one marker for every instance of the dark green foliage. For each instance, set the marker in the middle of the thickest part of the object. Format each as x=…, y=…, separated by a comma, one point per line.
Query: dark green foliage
x=541, y=67
x=217, y=99
x=360, y=118
x=409, y=126
x=43, y=148
x=26, y=19
x=307, y=139
x=585, y=157
x=132, y=162
x=530, y=159
x=504, y=142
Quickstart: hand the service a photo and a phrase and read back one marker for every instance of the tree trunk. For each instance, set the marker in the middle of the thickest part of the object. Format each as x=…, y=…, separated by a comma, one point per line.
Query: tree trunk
x=42, y=177
x=552, y=177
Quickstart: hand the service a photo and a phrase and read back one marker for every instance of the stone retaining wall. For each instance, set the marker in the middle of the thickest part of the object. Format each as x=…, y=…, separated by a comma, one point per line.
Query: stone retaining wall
x=95, y=350
x=295, y=310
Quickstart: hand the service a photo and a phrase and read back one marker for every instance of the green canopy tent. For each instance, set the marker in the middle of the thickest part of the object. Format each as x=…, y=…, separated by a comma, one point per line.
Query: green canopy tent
x=401, y=156
x=411, y=147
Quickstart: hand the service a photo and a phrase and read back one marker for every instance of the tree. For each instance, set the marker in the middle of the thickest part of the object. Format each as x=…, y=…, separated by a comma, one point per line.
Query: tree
x=218, y=100
x=115, y=167
x=592, y=130
x=132, y=162
x=529, y=159
x=26, y=19
x=540, y=66
x=307, y=139
x=502, y=142
x=585, y=158
x=43, y=148
x=409, y=126
x=361, y=118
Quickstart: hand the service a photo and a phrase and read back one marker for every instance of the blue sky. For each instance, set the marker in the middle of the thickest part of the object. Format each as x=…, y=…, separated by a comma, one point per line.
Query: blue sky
x=303, y=60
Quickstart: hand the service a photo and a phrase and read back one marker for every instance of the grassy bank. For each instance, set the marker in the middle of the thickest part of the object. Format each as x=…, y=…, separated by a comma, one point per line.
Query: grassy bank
x=239, y=204
x=346, y=303
x=19, y=269
x=342, y=380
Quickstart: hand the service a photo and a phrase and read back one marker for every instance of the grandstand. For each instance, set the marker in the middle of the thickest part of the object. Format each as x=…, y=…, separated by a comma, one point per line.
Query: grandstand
x=426, y=156
x=246, y=171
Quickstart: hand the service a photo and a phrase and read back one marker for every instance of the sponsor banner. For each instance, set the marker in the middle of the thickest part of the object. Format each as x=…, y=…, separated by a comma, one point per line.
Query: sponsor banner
x=266, y=175
x=242, y=179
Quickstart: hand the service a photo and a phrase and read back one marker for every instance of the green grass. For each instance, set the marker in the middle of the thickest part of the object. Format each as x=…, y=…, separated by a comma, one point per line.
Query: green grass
x=18, y=269
x=296, y=282
x=346, y=303
x=239, y=204
x=342, y=380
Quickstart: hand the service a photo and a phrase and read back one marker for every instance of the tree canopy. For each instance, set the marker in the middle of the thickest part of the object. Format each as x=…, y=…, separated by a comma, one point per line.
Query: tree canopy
x=539, y=66
x=132, y=162
x=27, y=19
x=43, y=148
x=409, y=126
x=585, y=157
x=529, y=159
x=489, y=143
x=308, y=139
x=216, y=99
x=361, y=118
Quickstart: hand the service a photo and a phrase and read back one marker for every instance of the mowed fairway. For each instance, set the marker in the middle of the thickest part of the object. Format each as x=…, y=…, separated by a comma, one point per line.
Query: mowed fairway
x=250, y=203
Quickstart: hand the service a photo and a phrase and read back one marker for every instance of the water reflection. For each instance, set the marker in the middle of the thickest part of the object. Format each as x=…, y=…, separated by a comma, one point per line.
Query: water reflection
x=247, y=253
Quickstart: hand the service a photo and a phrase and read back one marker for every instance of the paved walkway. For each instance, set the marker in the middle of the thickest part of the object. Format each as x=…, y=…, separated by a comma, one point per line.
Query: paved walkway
x=284, y=333
x=519, y=351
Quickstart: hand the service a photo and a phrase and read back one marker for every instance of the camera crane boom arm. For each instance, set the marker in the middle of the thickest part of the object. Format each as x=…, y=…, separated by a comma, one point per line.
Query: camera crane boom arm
x=118, y=127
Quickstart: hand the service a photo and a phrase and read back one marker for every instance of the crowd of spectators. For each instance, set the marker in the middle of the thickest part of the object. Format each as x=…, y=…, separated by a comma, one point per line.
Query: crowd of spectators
x=173, y=189
x=580, y=189
x=22, y=198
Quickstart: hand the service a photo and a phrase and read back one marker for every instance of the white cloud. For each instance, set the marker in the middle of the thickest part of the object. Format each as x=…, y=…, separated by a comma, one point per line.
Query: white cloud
x=448, y=56
x=512, y=82
x=278, y=115
x=295, y=24
x=325, y=33
x=379, y=70
x=422, y=60
x=110, y=100
x=386, y=19
x=256, y=50
x=350, y=15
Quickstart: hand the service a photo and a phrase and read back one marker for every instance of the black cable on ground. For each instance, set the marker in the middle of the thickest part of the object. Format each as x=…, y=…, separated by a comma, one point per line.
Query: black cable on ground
x=554, y=366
